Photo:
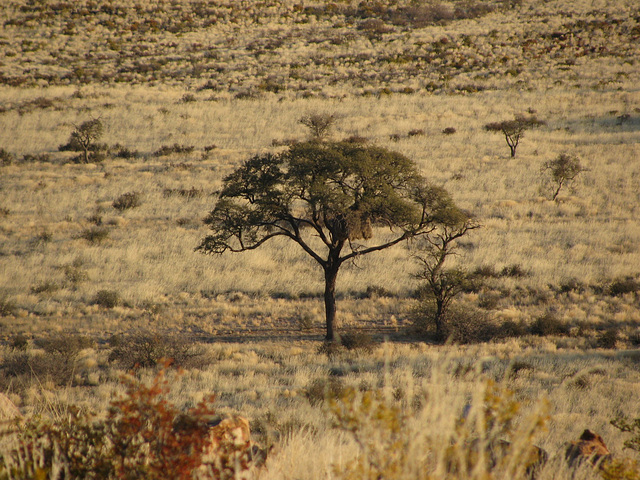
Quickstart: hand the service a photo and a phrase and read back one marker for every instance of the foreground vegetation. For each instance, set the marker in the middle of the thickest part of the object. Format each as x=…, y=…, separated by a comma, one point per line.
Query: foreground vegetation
x=119, y=123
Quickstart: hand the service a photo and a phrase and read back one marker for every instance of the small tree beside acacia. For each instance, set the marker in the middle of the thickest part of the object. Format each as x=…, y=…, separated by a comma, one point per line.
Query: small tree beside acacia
x=513, y=130
x=442, y=285
x=333, y=191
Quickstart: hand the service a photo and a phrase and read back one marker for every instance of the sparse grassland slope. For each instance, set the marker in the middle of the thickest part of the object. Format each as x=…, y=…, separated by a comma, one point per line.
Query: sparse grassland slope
x=99, y=256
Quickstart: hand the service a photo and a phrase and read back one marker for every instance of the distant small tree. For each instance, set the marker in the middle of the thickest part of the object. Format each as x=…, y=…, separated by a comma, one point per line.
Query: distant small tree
x=326, y=197
x=513, y=130
x=84, y=138
x=319, y=125
x=442, y=284
x=563, y=170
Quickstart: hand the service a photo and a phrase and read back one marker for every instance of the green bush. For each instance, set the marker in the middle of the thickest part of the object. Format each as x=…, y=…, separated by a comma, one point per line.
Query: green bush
x=107, y=298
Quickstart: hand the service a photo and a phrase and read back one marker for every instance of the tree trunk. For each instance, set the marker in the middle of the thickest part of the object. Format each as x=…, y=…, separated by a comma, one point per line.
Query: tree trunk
x=330, y=275
x=439, y=319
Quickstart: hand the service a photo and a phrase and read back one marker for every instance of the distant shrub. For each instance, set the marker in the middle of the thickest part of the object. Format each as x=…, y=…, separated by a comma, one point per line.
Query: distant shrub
x=188, y=193
x=449, y=131
x=571, y=285
x=467, y=326
x=127, y=200
x=68, y=345
x=39, y=158
x=147, y=350
x=7, y=306
x=376, y=291
x=19, y=342
x=124, y=152
x=45, y=287
x=416, y=133
x=188, y=98
x=632, y=427
x=624, y=285
x=548, y=324
x=608, y=339
x=485, y=271
x=356, y=139
x=322, y=389
x=357, y=342
x=95, y=235
x=175, y=148
x=75, y=273
x=107, y=298
x=514, y=271
x=58, y=363
x=489, y=300
x=6, y=158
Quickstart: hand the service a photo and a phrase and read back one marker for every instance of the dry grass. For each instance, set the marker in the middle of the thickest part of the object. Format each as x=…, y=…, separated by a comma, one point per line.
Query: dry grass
x=239, y=86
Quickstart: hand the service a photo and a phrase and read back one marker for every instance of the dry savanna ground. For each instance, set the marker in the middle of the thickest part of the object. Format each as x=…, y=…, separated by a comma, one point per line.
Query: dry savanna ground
x=186, y=91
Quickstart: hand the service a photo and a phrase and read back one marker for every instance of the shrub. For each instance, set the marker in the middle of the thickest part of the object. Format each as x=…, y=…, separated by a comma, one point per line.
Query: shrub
x=357, y=341
x=107, y=298
x=124, y=152
x=7, y=306
x=175, y=148
x=127, y=200
x=143, y=436
x=632, y=427
x=65, y=344
x=322, y=389
x=6, y=158
x=75, y=273
x=608, y=339
x=145, y=350
x=58, y=364
x=623, y=286
x=449, y=131
x=45, y=287
x=95, y=235
x=19, y=343
x=548, y=324
x=513, y=271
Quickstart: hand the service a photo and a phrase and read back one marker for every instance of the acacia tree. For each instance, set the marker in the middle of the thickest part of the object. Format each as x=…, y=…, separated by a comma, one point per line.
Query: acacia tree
x=513, y=130
x=334, y=191
x=563, y=170
x=84, y=137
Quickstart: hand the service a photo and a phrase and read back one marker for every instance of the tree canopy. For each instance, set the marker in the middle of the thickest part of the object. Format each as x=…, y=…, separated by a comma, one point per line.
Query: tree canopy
x=335, y=191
